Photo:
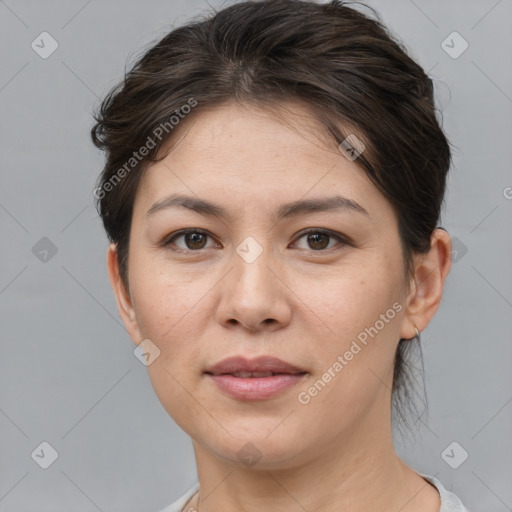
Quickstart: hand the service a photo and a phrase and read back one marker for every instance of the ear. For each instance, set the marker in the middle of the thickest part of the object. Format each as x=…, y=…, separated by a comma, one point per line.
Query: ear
x=426, y=291
x=124, y=301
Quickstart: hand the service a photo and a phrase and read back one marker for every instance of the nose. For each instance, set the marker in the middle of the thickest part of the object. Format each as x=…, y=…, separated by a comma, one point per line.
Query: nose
x=255, y=295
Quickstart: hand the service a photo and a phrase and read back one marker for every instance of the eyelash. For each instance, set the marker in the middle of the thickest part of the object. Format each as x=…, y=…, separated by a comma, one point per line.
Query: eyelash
x=169, y=240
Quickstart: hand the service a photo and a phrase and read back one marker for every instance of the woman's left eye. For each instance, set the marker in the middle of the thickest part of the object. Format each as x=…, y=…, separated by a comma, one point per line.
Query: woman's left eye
x=317, y=239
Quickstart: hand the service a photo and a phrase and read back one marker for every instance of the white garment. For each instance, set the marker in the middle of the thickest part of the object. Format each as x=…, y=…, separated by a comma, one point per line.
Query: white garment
x=449, y=502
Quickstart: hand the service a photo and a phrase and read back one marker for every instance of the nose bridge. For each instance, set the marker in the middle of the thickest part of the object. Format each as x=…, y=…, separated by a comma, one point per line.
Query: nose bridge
x=251, y=267
x=253, y=296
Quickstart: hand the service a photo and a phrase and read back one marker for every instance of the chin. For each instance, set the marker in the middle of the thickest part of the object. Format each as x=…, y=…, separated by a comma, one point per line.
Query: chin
x=257, y=445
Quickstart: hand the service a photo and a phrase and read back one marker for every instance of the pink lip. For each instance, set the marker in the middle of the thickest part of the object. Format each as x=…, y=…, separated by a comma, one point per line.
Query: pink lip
x=259, y=364
x=254, y=388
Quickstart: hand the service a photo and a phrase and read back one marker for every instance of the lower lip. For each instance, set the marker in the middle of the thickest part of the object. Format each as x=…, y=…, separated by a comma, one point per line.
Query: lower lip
x=255, y=388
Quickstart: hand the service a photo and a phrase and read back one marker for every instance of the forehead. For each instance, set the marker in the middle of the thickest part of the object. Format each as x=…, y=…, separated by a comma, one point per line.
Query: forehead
x=250, y=154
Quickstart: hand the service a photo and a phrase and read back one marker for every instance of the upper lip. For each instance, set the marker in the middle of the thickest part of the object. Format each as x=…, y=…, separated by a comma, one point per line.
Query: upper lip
x=259, y=364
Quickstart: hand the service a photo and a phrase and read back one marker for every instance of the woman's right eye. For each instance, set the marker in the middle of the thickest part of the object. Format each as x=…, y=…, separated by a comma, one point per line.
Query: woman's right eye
x=194, y=240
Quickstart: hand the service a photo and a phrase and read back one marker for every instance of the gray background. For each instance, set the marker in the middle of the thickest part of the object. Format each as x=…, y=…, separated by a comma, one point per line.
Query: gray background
x=68, y=375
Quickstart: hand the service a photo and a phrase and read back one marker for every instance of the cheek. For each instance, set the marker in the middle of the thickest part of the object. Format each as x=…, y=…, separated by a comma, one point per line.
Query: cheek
x=172, y=314
x=163, y=298
x=348, y=305
x=360, y=325
x=168, y=313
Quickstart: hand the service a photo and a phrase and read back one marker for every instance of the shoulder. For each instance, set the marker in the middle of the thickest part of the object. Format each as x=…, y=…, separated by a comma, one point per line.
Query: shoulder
x=449, y=501
x=177, y=505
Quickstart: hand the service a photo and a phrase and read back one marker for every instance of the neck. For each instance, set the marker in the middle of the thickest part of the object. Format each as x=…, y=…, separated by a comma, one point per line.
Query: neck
x=356, y=471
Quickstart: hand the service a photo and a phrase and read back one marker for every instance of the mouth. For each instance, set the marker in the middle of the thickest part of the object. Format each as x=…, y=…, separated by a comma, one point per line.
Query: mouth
x=257, y=379
x=263, y=366
x=257, y=375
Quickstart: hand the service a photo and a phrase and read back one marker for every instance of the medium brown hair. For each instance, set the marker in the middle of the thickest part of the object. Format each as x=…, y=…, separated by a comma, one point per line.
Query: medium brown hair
x=344, y=65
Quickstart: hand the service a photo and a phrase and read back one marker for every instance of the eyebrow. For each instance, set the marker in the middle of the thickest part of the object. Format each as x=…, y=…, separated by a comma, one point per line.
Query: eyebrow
x=285, y=211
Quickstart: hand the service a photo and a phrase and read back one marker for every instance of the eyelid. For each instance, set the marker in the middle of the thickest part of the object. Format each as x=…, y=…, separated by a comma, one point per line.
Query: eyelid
x=167, y=241
x=325, y=231
x=342, y=239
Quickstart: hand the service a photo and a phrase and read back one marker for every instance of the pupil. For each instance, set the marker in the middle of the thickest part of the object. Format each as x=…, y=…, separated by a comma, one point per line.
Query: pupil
x=314, y=239
x=193, y=237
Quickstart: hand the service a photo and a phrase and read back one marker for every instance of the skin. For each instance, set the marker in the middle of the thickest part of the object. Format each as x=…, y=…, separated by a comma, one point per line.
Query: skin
x=298, y=301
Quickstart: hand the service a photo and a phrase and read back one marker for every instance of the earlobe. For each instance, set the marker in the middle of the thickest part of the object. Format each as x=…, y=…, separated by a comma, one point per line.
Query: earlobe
x=123, y=299
x=431, y=270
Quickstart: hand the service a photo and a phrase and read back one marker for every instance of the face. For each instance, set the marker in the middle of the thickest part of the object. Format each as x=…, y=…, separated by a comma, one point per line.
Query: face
x=320, y=288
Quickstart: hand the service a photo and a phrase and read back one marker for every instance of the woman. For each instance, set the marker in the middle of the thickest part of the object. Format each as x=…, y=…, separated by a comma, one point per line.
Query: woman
x=272, y=190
